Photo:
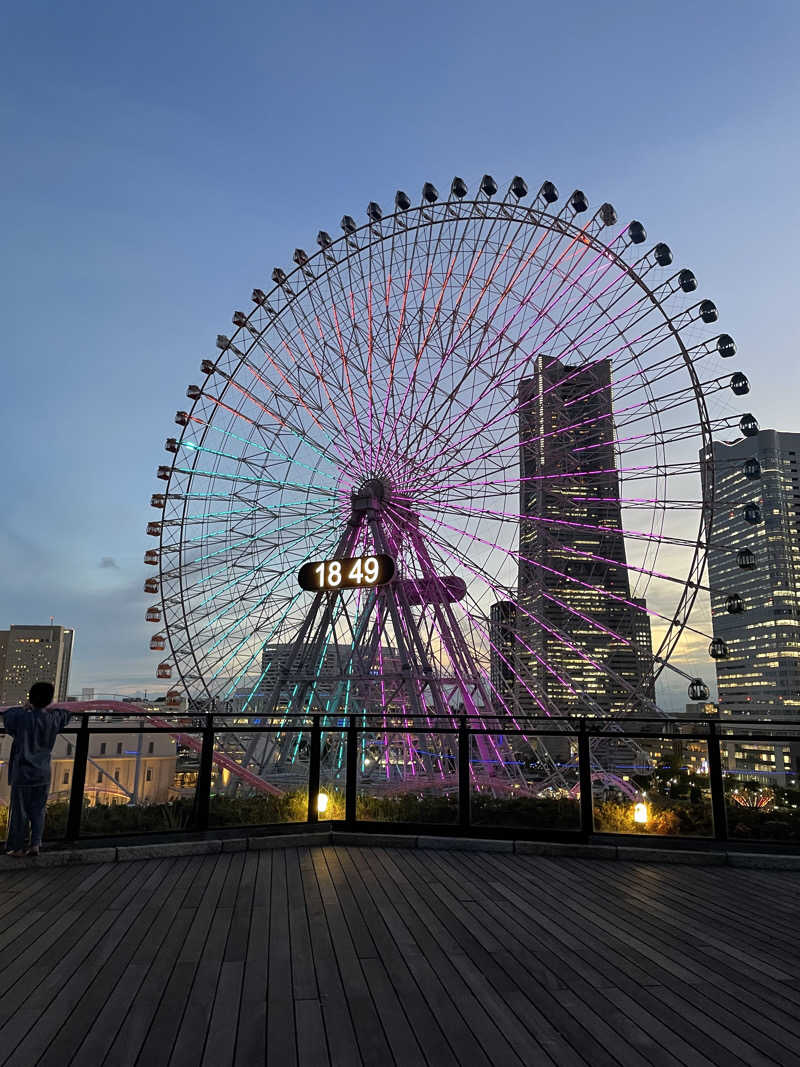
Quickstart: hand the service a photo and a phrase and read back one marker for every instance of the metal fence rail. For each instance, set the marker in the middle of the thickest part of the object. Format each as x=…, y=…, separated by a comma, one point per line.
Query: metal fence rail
x=711, y=731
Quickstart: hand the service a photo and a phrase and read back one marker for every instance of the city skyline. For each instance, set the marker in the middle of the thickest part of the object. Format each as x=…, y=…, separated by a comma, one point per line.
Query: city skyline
x=152, y=253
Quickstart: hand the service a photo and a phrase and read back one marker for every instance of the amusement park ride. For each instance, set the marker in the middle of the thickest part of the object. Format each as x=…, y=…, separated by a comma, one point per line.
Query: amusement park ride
x=456, y=462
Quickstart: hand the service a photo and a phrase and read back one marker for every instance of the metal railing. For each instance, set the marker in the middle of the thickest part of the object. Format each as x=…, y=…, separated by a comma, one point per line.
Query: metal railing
x=714, y=732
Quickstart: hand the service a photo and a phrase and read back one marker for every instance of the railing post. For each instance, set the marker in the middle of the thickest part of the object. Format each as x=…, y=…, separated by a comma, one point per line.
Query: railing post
x=463, y=774
x=351, y=773
x=313, y=770
x=78, y=780
x=718, y=810
x=585, y=779
x=203, y=790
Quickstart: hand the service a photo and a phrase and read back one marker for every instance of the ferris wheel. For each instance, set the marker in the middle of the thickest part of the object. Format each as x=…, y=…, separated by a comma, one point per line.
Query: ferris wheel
x=455, y=461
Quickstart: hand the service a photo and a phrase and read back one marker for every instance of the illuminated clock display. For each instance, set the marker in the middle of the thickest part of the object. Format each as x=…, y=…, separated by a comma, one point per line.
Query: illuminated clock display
x=353, y=572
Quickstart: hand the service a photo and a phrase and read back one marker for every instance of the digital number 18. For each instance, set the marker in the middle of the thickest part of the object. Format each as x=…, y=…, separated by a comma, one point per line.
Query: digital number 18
x=359, y=572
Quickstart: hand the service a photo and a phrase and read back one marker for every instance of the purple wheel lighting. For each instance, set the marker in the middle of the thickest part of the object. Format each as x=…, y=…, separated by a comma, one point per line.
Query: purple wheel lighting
x=513, y=403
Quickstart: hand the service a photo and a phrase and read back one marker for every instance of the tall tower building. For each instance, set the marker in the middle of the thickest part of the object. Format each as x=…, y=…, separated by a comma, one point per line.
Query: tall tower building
x=755, y=556
x=503, y=652
x=643, y=644
x=34, y=654
x=572, y=550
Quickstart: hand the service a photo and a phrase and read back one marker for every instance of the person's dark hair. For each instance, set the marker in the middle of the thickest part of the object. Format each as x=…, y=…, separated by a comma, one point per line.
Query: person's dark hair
x=41, y=694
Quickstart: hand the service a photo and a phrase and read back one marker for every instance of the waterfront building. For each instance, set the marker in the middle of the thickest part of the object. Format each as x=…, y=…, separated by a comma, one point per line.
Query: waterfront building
x=754, y=575
x=34, y=654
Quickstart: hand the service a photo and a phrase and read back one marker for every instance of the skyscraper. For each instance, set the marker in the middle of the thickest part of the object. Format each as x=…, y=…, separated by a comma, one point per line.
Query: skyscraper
x=574, y=592
x=643, y=645
x=754, y=575
x=34, y=654
x=503, y=651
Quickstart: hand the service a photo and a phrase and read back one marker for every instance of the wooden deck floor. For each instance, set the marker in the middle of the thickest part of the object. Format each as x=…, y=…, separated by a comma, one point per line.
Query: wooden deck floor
x=386, y=956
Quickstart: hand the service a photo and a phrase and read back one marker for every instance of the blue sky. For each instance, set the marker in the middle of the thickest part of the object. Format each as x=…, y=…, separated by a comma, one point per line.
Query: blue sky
x=160, y=159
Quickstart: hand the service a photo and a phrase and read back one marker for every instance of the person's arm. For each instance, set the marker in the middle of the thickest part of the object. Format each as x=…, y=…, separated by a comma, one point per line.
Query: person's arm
x=63, y=717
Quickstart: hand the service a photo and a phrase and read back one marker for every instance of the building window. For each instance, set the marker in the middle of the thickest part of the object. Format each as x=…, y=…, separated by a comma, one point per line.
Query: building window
x=102, y=748
x=119, y=748
x=65, y=779
x=116, y=775
x=149, y=775
x=99, y=776
x=151, y=747
x=69, y=749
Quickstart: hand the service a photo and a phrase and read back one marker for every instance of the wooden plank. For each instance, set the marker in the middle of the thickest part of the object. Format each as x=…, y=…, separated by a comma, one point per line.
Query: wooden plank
x=312, y=1047
x=304, y=975
x=589, y=976
x=93, y=936
x=281, y=1036
x=41, y=947
x=373, y=954
x=343, y=1048
x=641, y=999
x=688, y=945
x=585, y=1028
x=251, y=1034
x=754, y=1011
x=98, y=1040
x=19, y=935
x=166, y=982
x=104, y=996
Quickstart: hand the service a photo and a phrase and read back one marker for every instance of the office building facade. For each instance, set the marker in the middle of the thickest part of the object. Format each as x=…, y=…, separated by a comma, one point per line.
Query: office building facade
x=35, y=654
x=754, y=575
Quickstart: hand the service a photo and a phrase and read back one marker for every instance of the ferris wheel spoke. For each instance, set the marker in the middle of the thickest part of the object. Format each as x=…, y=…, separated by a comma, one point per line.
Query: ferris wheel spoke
x=448, y=346
x=191, y=565
x=409, y=358
x=501, y=374
x=498, y=381
x=621, y=564
x=564, y=677
x=221, y=663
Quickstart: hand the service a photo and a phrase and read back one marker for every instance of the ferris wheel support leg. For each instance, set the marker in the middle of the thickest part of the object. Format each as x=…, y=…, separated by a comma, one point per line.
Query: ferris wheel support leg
x=400, y=631
x=347, y=540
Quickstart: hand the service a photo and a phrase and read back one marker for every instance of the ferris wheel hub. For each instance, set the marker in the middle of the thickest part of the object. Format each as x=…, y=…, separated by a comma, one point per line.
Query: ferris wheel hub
x=373, y=493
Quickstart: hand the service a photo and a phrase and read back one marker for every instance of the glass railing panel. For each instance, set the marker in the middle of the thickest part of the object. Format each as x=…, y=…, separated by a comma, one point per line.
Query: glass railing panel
x=761, y=775
x=651, y=785
x=407, y=775
x=525, y=782
x=259, y=777
x=138, y=778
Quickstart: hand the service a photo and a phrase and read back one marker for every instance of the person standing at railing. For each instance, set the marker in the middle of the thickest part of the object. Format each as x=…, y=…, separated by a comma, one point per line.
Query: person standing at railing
x=34, y=729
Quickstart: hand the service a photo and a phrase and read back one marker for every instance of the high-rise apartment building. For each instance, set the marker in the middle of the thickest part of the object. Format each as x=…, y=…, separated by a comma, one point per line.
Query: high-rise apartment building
x=34, y=654
x=754, y=575
x=574, y=593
